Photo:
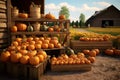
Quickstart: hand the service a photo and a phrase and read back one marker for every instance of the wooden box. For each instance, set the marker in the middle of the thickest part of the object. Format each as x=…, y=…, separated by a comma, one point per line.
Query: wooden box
x=80, y=45
x=26, y=72
x=74, y=67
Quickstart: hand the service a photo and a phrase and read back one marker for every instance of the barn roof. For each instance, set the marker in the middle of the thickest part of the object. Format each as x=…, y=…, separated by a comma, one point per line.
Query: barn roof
x=99, y=12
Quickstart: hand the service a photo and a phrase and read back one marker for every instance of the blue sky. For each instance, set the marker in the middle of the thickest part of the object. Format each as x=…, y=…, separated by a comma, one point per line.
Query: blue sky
x=76, y=7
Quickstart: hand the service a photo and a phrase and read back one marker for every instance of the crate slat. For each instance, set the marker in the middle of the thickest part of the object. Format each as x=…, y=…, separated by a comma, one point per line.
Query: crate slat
x=75, y=67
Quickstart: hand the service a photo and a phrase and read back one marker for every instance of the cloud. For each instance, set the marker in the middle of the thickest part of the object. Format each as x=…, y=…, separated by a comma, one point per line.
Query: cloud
x=74, y=10
x=104, y=4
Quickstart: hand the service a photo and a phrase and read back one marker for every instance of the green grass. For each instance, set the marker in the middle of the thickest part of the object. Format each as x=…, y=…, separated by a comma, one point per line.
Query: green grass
x=112, y=31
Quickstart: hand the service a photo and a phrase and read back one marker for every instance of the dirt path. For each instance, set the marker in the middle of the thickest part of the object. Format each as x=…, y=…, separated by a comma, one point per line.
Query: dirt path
x=105, y=68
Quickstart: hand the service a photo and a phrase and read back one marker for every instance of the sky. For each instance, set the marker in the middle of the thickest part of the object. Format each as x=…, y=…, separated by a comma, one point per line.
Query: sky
x=76, y=7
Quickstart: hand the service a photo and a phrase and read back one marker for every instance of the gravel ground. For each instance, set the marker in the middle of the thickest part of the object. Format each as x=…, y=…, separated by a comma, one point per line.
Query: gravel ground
x=105, y=68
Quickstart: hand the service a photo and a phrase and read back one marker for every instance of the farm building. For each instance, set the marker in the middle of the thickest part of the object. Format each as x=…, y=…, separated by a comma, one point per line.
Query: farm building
x=107, y=17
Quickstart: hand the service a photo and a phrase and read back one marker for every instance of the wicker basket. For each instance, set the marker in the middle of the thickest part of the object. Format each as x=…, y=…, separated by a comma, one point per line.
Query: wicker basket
x=15, y=12
x=35, y=11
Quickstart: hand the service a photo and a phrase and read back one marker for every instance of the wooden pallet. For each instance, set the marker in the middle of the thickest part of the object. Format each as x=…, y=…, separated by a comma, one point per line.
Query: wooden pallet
x=74, y=67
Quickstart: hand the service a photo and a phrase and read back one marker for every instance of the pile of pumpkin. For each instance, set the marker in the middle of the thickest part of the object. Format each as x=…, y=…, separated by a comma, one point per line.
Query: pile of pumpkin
x=94, y=39
x=29, y=49
x=84, y=57
x=112, y=52
x=33, y=57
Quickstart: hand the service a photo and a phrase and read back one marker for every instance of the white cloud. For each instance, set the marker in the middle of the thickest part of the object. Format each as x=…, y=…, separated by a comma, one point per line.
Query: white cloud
x=55, y=8
x=105, y=4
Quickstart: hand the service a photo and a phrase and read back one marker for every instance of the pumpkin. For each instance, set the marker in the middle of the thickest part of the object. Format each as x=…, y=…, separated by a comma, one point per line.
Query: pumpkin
x=32, y=42
x=46, y=42
x=34, y=60
x=62, y=16
x=24, y=59
x=23, y=51
x=13, y=29
x=41, y=58
x=58, y=45
x=86, y=51
x=21, y=26
x=53, y=58
x=50, y=46
x=44, y=46
x=5, y=55
x=29, y=39
x=36, y=39
x=38, y=46
x=87, y=61
x=54, y=42
x=97, y=51
x=92, y=59
x=38, y=42
x=15, y=57
x=80, y=55
x=42, y=38
x=92, y=53
x=50, y=29
x=31, y=53
x=109, y=51
x=49, y=16
x=31, y=47
x=18, y=39
x=15, y=43
x=23, y=15
x=41, y=52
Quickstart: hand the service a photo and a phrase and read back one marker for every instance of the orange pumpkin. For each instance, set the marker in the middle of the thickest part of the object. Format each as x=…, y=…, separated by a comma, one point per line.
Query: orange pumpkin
x=13, y=29
x=50, y=29
x=92, y=59
x=23, y=51
x=21, y=26
x=44, y=46
x=24, y=59
x=49, y=16
x=42, y=38
x=41, y=58
x=37, y=46
x=5, y=56
x=34, y=60
x=62, y=16
x=15, y=43
x=32, y=53
x=109, y=51
x=50, y=46
x=97, y=51
x=15, y=57
x=92, y=53
x=54, y=42
x=18, y=39
x=85, y=51
x=45, y=41
x=41, y=52
x=30, y=39
x=23, y=15
x=31, y=47
x=58, y=45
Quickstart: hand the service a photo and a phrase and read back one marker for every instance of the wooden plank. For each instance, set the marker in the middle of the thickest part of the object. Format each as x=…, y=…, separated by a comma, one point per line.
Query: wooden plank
x=2, y=11
x=3, y=15
x=3, y=25
x=75, y=67
x=4, y=35
x=3, y=6
x=3, y=20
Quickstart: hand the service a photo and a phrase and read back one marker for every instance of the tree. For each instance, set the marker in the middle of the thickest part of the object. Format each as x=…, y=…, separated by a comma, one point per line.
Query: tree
x=77, y=23
x=82, y=20
x=64, y=10
x=72, y=23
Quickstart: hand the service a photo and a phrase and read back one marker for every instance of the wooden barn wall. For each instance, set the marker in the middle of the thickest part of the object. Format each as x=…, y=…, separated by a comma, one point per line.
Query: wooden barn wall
x=4, y=37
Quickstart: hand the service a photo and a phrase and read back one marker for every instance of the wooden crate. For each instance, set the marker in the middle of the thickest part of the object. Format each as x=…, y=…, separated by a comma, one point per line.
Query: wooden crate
x=26, y=72
x=74, y=67
x=80, y=45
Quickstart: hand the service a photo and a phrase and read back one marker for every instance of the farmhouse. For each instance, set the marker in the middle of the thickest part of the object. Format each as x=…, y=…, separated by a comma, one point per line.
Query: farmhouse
x=107, y=17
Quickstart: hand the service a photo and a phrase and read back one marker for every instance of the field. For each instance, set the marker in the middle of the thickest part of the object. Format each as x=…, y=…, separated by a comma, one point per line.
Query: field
x=112, y=31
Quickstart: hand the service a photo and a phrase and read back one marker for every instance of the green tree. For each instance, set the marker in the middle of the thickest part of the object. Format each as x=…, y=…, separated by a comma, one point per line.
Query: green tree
x=77, y=23
x=72, y=23
x=82, y=20
x=64, y=10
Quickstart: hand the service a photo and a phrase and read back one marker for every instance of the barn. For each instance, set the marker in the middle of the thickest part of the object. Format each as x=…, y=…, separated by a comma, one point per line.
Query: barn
x=107, y=17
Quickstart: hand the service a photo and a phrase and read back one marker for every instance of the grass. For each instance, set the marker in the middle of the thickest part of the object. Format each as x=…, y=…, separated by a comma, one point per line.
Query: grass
x=112, y=31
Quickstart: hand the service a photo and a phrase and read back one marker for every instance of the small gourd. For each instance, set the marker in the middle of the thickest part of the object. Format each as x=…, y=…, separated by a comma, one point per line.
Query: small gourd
x=29, y=28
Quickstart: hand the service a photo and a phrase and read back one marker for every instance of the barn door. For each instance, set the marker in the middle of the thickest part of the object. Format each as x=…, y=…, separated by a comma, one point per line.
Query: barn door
x=4, y=36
